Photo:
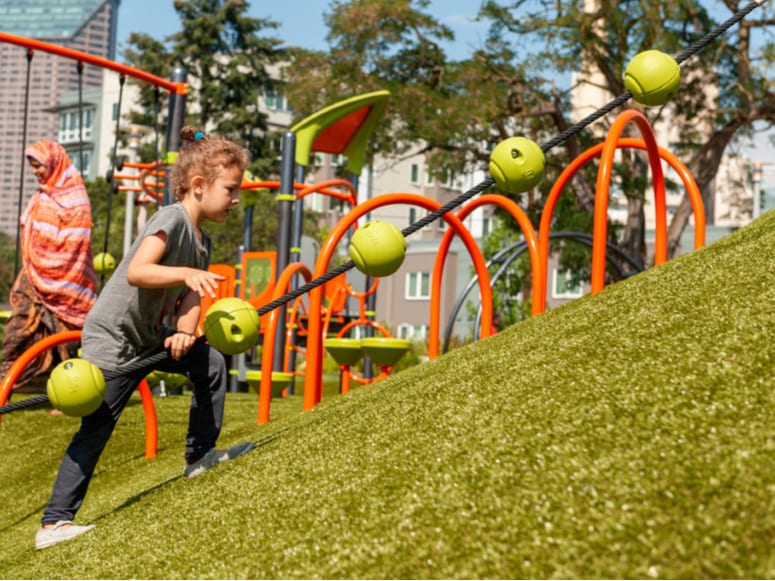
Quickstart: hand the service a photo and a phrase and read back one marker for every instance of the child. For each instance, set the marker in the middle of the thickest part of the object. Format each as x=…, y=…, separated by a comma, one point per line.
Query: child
x=164, y=275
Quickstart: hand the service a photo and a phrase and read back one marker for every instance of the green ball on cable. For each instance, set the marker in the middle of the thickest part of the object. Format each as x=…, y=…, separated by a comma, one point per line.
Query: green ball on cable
x=378, y=248
x=231, y=325
x=517, y=165
x=653, y=77
x=76, y=387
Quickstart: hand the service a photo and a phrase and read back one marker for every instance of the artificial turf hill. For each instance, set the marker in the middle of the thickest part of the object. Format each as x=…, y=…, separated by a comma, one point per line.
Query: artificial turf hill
x=629, y=434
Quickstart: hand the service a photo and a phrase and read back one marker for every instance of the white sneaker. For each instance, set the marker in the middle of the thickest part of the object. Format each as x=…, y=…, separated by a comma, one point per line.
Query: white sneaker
x=63, y=530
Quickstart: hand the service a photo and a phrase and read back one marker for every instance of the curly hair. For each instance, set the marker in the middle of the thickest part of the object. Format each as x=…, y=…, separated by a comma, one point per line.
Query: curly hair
x=205, y=155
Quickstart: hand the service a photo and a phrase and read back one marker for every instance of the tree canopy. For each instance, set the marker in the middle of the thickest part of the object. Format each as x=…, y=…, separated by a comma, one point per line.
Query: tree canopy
x=456, y=111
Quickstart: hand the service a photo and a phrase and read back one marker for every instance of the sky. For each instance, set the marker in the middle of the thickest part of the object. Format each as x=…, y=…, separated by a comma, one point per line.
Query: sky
x=300, y=20
x=301, y=25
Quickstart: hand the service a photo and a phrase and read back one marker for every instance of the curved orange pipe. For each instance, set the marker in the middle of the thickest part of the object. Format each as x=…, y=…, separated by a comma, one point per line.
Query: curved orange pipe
x=600, y=225
x=551, y=201
x=313, y=374
x=438, y=269
x=151, y=426
x=322, y=187
x=273, y=185
x=30, y=355
x=267, y=353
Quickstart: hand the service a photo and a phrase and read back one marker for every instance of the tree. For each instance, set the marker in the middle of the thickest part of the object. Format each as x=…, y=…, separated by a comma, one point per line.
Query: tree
x=227, y=59
x=457, y=111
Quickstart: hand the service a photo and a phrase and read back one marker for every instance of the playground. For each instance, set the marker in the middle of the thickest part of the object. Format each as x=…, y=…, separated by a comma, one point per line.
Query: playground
x=622, y=435
x=626, y=435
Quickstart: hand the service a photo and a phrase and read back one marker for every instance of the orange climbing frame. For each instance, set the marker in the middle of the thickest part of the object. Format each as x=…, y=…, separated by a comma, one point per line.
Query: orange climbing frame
x=613, y=141
x=151, y=433
x=438, y=269
x=314, y=372
x=267, y=353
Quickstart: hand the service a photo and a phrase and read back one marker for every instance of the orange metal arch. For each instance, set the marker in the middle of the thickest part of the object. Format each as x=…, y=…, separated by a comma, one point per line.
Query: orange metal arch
x=600, y=226
x=151, y=429
x=267, y=354
x=313, y=375
x=690, y=185
x=438, y=270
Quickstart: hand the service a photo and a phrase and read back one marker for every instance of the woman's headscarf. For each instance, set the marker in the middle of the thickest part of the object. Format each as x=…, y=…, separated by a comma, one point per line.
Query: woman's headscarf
x=56, y=237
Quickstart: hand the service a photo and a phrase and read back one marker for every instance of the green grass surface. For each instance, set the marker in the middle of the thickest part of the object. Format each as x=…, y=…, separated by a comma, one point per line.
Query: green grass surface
x=625, y=435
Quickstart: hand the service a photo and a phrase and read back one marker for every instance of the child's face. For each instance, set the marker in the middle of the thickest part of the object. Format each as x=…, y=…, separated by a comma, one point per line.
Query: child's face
x=222, y=194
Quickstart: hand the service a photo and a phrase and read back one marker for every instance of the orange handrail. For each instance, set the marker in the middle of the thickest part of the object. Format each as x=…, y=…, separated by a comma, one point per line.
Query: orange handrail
x=6, y=385
x=308, y=189
x=600, y=225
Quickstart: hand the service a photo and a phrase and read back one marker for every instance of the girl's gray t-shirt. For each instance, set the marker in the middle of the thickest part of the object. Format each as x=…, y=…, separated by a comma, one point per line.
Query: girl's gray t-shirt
x=128, y=323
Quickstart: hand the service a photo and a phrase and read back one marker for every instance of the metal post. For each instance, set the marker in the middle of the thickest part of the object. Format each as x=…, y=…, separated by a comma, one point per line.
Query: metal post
x=176, y=116
x=295, y=251
x=285, y=199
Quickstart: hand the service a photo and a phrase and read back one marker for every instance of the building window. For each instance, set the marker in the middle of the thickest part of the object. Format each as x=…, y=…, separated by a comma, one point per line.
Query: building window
x=276, y=101
x=409, y=331
x=76, y=158
x=412, y=215
x=69, y=126
x=563, y=286
x=415, y=177
x=418, y=285
x=486, y=227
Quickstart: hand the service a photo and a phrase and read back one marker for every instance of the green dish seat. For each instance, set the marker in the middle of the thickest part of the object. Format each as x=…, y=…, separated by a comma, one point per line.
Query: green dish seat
x=345, y=351
x=280, y=380
x=385, y=350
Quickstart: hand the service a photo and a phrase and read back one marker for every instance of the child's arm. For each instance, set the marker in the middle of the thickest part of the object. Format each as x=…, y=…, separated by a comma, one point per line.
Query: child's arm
x=145, y=271
x=186, y=322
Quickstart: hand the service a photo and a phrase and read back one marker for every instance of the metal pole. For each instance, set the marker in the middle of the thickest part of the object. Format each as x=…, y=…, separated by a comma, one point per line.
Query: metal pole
x=298, y=227
x=177, y=110
x=285, y=199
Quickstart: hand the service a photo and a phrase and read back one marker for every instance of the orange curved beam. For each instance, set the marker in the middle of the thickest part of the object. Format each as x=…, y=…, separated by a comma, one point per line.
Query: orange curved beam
x=267, y=354
x=30, y=355
x=314, y=371
x=438, y=269
x=690, y=185
x=273, y=185
x=600, y=225
x=76, y=55
x=323, y=188
x=151, y=428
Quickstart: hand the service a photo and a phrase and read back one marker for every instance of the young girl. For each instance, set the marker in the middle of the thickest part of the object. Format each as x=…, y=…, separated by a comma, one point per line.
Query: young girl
x=162, y=278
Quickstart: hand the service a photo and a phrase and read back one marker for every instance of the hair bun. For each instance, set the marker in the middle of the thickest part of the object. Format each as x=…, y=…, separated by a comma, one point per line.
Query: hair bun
x=189, y=133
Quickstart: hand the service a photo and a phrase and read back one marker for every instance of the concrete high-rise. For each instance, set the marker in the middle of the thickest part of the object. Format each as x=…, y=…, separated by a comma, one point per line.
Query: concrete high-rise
x=85, y=25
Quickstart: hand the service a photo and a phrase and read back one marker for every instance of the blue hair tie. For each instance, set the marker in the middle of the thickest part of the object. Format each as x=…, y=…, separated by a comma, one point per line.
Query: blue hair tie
x=198, y=135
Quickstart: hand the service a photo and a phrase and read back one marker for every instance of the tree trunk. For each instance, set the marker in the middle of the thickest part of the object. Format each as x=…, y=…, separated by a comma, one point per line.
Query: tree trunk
x=704, y=167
